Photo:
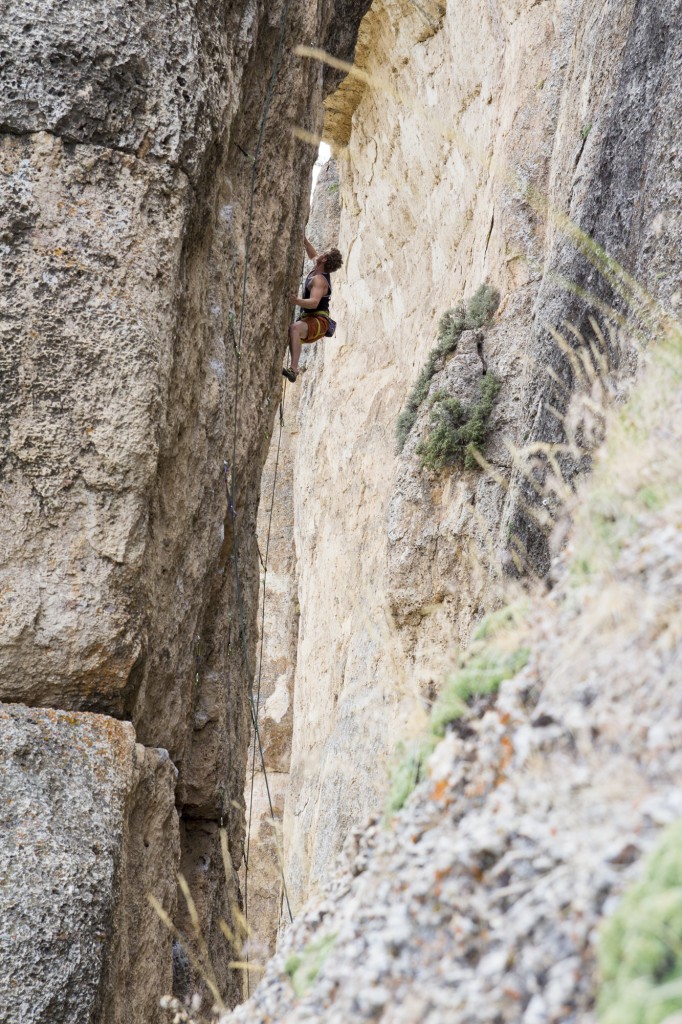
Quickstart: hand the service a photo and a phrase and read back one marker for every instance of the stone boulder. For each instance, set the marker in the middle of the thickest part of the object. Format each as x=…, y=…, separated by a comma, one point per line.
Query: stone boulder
x=89, y=829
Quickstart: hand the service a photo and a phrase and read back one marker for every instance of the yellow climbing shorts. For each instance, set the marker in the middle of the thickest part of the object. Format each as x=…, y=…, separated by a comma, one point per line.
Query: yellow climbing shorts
x=317, y=327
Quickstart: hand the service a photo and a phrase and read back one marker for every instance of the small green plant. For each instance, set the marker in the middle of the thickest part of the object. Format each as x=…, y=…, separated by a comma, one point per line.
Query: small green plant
x=333, y=187
x=585, y=130
x=303, y=968
x=461, y=317
x=450, y=327
x=493, y=656
x=480, y=676
x=408, y=771
x=506, y=620
x=640, y=946
x=456, y=431
x=482, y=305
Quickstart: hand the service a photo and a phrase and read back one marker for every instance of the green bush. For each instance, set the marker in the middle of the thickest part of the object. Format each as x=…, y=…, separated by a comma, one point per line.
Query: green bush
x=461, y=317
x=481, y=307
x=408, y=771
x=450, y=327
x=456, y=431
x=419, y=392
x=640, y=946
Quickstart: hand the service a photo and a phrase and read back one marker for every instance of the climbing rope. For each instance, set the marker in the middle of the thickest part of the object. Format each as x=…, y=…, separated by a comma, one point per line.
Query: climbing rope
x=231, y=490
x=264, y=563
x=245, y=651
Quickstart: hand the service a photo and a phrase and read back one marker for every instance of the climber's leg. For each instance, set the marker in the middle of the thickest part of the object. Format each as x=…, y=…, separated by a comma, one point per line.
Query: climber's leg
x=298, y=332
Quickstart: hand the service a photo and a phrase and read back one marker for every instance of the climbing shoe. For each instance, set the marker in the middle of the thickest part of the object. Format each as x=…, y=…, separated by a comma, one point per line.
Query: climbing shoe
x=289, y=374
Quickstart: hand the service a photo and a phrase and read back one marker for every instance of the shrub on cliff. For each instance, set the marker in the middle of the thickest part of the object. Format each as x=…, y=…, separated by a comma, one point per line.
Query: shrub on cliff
x=472, y=316
x=457, y=431
x=640, y=948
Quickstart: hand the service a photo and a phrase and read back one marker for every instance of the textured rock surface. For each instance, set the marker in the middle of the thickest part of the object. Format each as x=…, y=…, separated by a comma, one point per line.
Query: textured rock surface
x=121, y=271
x=127, y=140
x=278, y=620
x=481, y=900
x=265, y=905
x=214, y=890
x=89, y=828
x=455, y=170
x=92, y=241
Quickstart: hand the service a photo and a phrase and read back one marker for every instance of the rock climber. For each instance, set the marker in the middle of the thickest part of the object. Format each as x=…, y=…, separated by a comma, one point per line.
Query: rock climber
x=313, y=322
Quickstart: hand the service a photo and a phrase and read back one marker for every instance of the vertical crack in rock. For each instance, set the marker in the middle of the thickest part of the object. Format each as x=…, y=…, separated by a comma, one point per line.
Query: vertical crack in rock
x=263, y=888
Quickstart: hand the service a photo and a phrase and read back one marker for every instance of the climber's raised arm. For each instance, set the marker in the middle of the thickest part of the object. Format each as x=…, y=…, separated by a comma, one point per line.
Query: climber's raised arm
x=310, y=249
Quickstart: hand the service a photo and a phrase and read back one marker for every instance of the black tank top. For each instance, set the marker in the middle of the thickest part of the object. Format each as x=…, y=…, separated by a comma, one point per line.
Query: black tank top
x=323, y=304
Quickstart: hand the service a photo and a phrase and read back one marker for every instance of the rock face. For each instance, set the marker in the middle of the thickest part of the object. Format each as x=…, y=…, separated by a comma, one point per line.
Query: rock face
x=483, y=899
x=476, y=131
x=151, y=206
x=152, y=202
x=89, y=827
x=265, y=903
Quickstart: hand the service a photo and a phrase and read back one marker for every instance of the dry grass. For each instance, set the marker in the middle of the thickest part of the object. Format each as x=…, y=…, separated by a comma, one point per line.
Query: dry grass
x=636, y=470
x=196, y=948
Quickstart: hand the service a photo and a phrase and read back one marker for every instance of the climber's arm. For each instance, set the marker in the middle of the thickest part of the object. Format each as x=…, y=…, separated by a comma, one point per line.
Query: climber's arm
x=318, y=289
x=310, y=249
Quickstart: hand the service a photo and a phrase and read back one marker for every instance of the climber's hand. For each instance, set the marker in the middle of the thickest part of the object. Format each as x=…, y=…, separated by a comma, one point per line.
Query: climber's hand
x=293, y=299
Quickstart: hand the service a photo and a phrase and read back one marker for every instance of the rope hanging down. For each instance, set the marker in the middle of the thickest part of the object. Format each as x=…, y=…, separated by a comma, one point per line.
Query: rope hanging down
x=262, y=639
x=230, y=491
x=249, y=674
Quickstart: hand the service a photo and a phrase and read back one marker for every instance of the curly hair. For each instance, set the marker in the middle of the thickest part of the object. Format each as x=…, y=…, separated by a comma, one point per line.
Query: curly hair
x=333, y=260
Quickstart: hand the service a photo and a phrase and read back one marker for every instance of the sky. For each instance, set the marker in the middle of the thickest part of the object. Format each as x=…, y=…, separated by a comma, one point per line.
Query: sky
x=323, y=154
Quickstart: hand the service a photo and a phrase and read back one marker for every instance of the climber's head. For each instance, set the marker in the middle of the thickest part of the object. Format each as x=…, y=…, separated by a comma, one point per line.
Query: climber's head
x=332, y=260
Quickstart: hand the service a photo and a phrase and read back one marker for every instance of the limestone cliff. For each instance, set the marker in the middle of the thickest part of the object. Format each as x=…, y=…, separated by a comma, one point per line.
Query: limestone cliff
x=266, y=903
x=483, y=901
x=473, y=131
x=153, y=197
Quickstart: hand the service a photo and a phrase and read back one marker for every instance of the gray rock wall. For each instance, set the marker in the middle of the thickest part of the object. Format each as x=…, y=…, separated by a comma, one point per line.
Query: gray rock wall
x=127, y=141
x=620, y=186
x=89, y=827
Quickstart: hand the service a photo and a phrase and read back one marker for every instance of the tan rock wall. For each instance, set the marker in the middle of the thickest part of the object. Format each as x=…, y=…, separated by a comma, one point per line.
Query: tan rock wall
x=265, y=902
x=473, y=119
